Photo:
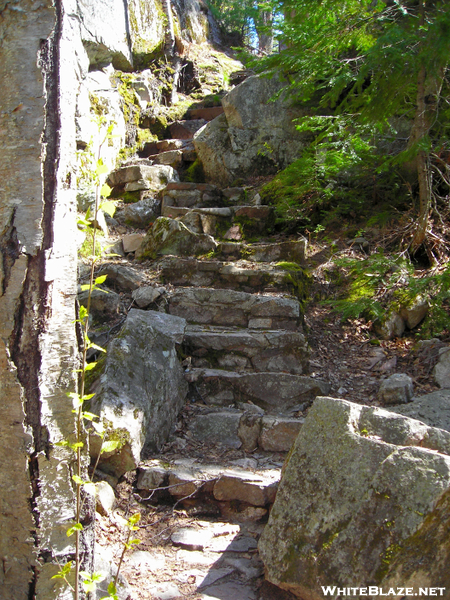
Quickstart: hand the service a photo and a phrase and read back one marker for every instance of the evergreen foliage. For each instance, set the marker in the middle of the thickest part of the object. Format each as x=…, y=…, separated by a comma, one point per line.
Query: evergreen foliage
x=376, y=74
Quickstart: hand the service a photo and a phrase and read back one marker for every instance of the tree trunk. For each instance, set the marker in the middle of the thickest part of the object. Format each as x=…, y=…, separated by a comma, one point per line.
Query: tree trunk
x=38, y=349
x=428, y=90
x=265, y=32
x=420, y=130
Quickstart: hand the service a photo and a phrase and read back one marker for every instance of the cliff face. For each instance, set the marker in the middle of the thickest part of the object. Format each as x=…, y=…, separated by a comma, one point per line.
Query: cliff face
x=49, y=52
x=126, y=32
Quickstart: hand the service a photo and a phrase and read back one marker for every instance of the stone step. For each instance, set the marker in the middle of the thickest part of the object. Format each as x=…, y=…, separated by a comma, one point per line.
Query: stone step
x=275, y=392
x=243, y=275
x=141, y=177
x=174, y=158
x=247, y=429
x=185, y=129
x=161, y=146
x=153, y=150
x=180, y=198
x=246, y=349
x=208, y=114
x=288, y=251
x=186, y=478
x=189, y=195
x=209, y=306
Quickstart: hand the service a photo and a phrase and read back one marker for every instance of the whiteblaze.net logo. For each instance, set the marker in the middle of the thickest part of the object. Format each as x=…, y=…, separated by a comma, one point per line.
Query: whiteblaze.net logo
x=334, y=591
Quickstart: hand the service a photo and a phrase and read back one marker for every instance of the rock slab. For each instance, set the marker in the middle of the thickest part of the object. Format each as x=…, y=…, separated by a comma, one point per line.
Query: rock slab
x=362, y=493
x=141, y=389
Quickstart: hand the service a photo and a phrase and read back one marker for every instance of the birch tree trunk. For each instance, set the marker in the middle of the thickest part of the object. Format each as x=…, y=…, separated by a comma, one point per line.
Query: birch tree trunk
x=38, y=348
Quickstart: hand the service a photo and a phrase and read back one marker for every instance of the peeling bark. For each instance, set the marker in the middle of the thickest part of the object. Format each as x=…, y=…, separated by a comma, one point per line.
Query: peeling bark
x=38, y=347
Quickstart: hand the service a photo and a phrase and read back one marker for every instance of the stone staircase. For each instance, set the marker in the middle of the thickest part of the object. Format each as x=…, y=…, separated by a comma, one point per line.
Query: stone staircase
x=212, y=261
x=244, y=350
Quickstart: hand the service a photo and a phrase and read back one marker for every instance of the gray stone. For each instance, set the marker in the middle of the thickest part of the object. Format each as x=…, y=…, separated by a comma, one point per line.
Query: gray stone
x=173, y=158
x=278, y=433
x=146, y=295
x=414, y=314
x=141, y=214
x=229, y=307
x=257, y=489
x=132, y=241
x=278, y=392
x=219, y=428
x=244, y=275
x=141, y=389
x=105, y=498
x=144, y=176
x=231, y=590
x=236, y=143
x=212, y=576
x=121, y=277
x=396, y=389
x=192, y=221
x=151, y=476
x=293, y=251
x=104, y=303
x=391, y=326
x=441, y=371
x=361, y=487
x=168, y=236
x=238, y=544
x=432, y=409
x=192, y=538
x=276, y=351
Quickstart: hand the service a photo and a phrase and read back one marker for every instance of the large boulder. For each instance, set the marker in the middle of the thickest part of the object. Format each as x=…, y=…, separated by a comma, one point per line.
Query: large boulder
x=141, y=389
x=255, y=133
x=441, y=371
x=168, y=236
x=363, y=493
x=432, y=409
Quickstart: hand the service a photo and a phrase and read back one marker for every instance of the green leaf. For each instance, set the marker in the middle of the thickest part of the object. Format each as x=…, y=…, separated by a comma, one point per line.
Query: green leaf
x=108, y=207
x=83, y=312
x=105, y=190
x=96, y=347
x=112, y=588
x=89, y=416
x=101, y=279
x=77, y=479
x=72, y=530
x=134, y=519
x=76, y=445
x=109, y=446
x=85, y=286
x=64, y=570
x=90, y=366
x=101, y=168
